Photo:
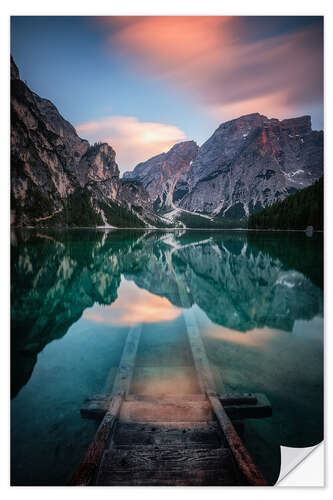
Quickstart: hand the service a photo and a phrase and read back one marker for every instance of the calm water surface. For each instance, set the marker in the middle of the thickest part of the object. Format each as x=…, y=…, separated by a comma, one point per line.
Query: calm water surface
x=257, y=297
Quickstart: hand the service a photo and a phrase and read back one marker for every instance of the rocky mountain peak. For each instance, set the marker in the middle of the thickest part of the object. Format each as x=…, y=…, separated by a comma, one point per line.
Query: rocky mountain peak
x=98, y=165
x=183, y=149
x=250, y=162
x=14, y=72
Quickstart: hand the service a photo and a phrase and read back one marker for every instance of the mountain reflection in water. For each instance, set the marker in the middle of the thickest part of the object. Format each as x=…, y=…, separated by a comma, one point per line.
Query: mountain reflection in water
x=257, y=297
x=237, y=280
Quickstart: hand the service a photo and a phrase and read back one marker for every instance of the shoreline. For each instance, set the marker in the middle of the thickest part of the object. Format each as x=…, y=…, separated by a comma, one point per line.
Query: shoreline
x=170, y=229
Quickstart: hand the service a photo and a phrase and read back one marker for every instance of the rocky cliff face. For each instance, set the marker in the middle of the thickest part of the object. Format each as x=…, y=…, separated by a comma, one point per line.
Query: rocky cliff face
x=57, y=178
x=160, y=174
x=252, y=161
x=247, y=164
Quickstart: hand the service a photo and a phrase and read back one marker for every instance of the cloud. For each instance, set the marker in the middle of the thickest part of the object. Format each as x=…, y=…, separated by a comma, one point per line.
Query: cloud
x=134, y=141
x=222, y=63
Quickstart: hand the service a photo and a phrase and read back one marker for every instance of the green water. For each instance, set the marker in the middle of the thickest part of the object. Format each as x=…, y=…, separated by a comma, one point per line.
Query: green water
x=257, y=298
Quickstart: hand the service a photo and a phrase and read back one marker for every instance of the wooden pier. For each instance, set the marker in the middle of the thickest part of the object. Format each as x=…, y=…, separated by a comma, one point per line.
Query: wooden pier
x=169, y=439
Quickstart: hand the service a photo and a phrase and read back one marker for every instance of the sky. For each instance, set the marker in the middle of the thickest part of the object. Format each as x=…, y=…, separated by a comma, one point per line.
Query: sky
x=144, y=83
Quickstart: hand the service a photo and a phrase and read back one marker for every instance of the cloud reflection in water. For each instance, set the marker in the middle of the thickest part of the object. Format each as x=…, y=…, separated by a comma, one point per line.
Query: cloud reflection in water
x=133, y=305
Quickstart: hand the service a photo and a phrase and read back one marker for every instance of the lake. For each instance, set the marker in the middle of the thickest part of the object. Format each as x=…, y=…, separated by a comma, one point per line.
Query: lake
x=257, y=298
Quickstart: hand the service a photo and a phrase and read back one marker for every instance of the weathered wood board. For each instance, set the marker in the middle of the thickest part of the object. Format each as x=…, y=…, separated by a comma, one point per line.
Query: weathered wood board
x=167, y=466
x=87, y=470
x=180, y=434
x=166, y=411
x=237, y=406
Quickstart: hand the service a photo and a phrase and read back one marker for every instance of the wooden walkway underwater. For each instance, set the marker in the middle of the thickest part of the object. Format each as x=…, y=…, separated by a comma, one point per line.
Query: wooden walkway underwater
x=169, y=439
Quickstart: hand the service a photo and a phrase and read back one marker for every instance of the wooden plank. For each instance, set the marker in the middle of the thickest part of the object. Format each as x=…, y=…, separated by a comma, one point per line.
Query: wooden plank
x=222, y=475
x=237, y=399
x=159, y=380
x=96, y=406
x=261, y=409
x=100, y=402
x=184, y=434
x=201, y=363
x=197, y=478
x=241, y=455
x=164, y=458
x=167, y=397
x=159, y=410
x=237, y=406
x=124, y=375
x=86, y=471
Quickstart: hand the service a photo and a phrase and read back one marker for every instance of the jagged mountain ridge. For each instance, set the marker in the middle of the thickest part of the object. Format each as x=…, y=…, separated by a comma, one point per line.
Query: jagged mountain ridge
x=247, y=164
x=57, y=178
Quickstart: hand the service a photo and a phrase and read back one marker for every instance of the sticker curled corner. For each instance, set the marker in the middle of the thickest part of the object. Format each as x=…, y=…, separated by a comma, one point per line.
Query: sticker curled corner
x=291, y=458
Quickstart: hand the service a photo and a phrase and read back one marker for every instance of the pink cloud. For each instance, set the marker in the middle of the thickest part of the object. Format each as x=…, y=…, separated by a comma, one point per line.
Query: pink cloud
x=216, y=60
x=133, y=140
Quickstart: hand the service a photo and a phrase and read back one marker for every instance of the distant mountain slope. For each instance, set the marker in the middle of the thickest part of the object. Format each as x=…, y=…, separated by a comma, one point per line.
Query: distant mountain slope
x=297, y=211
x=247, y=164
x=160, y=174
x=57, y=178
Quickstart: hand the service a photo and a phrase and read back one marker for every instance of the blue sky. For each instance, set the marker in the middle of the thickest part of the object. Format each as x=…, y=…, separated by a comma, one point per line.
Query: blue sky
x=144, y=83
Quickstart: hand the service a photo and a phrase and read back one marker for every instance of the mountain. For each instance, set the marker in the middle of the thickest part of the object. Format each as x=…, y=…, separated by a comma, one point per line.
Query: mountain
x=297, y=211
x=58, y=179
x=247, y=164
x=160, y=174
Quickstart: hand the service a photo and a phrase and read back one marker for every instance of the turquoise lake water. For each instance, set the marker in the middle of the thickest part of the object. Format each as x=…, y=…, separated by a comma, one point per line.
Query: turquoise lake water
x=256, y=296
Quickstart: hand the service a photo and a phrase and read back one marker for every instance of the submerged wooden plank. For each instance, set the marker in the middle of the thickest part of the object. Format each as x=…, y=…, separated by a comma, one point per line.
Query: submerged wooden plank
x=126, y=367
x=160, y=410
x=261, y=409
x=222, y=475
x=167, y=397
x=95, y=407
x=237, y=406
x=242, y=457
x=88, y=467
x=162, y=457
x=206, y=379
x=86, y=471
x=184, y=434
x=237, y=399
x=158, y=380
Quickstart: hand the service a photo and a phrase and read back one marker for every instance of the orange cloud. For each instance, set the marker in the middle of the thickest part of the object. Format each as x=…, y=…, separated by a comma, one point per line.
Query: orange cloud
x=133, y=305
x=133, y=141
x=222, y=64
